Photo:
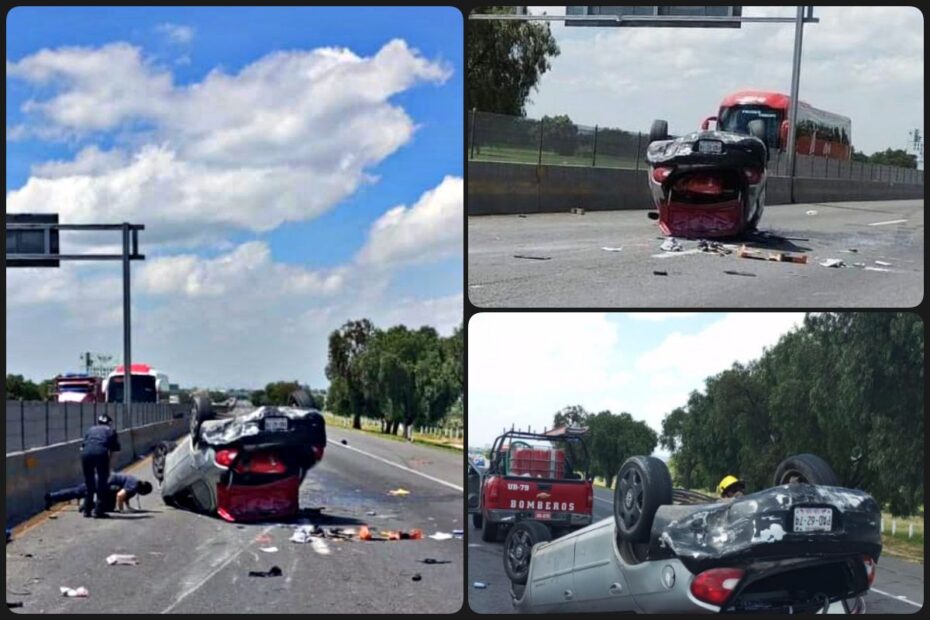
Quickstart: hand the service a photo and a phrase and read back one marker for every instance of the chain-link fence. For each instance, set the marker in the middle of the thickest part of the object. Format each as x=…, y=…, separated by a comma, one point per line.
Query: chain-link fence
x=557, y=141
x=32, y=424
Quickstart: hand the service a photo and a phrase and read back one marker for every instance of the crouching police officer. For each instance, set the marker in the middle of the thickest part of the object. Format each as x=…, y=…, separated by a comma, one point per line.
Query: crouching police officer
x=100, y=442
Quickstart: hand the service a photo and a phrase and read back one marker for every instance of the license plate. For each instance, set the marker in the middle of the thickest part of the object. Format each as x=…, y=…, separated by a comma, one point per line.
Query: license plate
x=710, y=146
x=813, y=519
x=543, y=516
x=275, y=424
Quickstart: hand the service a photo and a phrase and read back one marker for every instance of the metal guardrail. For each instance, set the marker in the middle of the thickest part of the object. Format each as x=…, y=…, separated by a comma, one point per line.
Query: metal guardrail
x=513, y=139
x=36, y=424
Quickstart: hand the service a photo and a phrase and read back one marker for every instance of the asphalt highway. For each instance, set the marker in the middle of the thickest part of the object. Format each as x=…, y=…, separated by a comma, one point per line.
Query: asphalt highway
x=191, y=563
x=898, y=587
x=564, y=263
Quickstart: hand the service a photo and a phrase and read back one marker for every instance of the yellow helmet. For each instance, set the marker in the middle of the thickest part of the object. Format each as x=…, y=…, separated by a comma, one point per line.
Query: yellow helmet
x=726, y=483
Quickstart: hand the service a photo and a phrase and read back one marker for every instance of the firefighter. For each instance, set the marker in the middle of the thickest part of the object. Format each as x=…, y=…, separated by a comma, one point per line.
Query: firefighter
x=100, y=443
x=730, y=488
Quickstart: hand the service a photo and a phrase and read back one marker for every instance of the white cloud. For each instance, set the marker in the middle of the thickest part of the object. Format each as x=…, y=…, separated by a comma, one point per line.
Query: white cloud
x=284, y=139
x=855, y=61
x=660, y=316
x=430, y=229
x=176, y=33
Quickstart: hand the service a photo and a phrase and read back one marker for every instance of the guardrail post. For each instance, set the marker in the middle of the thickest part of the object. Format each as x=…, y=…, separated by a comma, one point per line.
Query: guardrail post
x=639, y=139
x=594, y=157
x=46, y=423
x=22, y=426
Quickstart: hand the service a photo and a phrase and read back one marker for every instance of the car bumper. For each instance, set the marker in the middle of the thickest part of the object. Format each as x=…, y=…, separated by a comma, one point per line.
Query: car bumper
x=278, y=500
x=558, y=519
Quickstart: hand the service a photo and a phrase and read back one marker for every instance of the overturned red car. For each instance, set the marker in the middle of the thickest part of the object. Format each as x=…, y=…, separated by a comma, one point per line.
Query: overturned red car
x=707, y=183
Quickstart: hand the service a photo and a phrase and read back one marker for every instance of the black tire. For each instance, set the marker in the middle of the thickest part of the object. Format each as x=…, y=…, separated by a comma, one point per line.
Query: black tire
x=489, y=531
x=808, y=468
x=158, y=460
x=477, y=519
x=518, y=547
x=201, y=411
x=658, y=131
x=757, y=129
x=643, y=484
x=300, y=399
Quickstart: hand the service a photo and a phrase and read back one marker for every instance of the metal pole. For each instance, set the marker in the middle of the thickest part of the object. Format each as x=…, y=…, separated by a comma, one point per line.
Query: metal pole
x=471, y=141
x=539, y=159
x=594, y=158
x=46, y=423
x=639, y=139
x=22, y=426
x=795, y=87
x=127, y=343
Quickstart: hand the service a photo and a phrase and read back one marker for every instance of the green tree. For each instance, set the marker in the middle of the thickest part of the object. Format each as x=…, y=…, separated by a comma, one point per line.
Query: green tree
x=20, y=388
x=894, y=157
x=560, y=134
x=614, y=438
x=346, y=345
x=504, y=61
x=572, y=415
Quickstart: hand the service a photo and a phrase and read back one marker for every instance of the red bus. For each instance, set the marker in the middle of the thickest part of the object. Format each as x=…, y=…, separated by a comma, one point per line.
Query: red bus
x=819, y=132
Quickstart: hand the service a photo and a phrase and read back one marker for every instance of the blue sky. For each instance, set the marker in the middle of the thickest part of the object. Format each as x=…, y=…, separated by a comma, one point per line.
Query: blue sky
x=522, y=368
x=319, y=147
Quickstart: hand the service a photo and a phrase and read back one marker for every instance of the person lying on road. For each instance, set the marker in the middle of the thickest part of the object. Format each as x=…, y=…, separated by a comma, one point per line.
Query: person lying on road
x=121, y=488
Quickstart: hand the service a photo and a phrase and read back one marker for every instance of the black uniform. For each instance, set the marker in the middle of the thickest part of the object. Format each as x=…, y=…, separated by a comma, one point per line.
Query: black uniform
x=116, y=483
x=99, y=441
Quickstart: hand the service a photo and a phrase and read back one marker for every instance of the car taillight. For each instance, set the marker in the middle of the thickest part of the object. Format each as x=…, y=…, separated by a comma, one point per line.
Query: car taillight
x=715, y=586
x=869, y=568
x=661, y=173
x=318, y=452
x=261, y=463
x=752, y=175
x=224, y=458
x=701, y=184
x=493, y=489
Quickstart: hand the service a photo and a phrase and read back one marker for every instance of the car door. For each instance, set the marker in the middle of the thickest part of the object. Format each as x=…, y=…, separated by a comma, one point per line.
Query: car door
x=599, y=584
x=551, y=576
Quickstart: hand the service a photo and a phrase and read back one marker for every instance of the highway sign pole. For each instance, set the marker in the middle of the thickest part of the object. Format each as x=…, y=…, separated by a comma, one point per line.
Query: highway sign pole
x=795, y=87
x=127, y=333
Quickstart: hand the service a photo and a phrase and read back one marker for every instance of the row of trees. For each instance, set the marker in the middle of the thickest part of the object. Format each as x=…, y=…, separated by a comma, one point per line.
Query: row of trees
x=397, y=375
x=611, y=438
x=20, y=388
x=888, y=157
x=845, y=386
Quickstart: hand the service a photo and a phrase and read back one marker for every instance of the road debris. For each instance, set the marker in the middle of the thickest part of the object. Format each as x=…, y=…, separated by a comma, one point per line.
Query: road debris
x=577, y=211
x=268, y=549
x=371, y=513
x=834, y=263
x=780, y=257
x=883, y=263
x=671, y=245
x=304, y=533
x=458, y=533
x=413, y=534
x=338, y=532
x=739, y=273
x=344, y=442
x=399, y=492
x=434, y=561
x=480, y=585
x=122, y=559
x=319, y=545
x=852, y=250
x=659, y=273
x=610, y=249
x=811, y=212
x=274, y=571
x=521, y=215
x=263, y=539
x=80, y=592
x=713, y=247
x=416, y=577
x=532, y=257
x=441, y=536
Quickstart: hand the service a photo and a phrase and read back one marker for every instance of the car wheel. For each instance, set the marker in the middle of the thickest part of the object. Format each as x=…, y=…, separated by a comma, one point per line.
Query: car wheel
x=489, y=531
x=158, y=460
x=658, y=131
x=643, y=484
x=202, y=410
x=477, y=520
x=300, y=399
x=808, y=468
x=518, y=547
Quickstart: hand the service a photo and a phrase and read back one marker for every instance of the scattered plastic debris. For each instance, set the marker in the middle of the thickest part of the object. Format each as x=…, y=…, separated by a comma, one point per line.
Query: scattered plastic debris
x=458, y=533
x=344, y=442
x=319, y=545
x=80, y=592
x=441, y=536
x=577, y=211
x=610, y=249
x=532, y=257
x=371, y=513
x=659, y=273
x=780, y=257
x=399, y=492
x=739, y=273
x=274, y=571
x=834, y=263
x=480, y=585
x=713, y=247
x=416, y=577
x=812, y=212
x=365, y=534
x=413, y=534
x=304, y=533
x=671, y=245
x=122, y=559
x=852, y=250
x=883, y=263
x=434, y=561
x=263, y=539
x=268, y=549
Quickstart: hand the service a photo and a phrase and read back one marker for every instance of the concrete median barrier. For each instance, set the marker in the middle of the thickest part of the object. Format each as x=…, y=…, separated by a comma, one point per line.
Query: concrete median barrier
x=32, y=473
x=496, y=188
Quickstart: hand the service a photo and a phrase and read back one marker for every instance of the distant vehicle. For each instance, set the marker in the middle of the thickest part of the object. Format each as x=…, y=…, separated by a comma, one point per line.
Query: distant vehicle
x=535, y=477
x=806, y=545
x=73, y=387
x=239, y=462
x=819, y=132
x=148, y=385
x=707, y=183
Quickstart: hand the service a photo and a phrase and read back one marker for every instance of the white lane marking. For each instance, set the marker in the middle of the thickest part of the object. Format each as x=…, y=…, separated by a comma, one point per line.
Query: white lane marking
x=888, y=222
x=897, y=597
x=210, y=575
x=398, y=466
x=606, y=501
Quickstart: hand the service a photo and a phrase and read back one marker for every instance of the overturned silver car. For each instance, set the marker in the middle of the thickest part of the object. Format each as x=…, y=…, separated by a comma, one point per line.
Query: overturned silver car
x=803, y=546
x=242, y=463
